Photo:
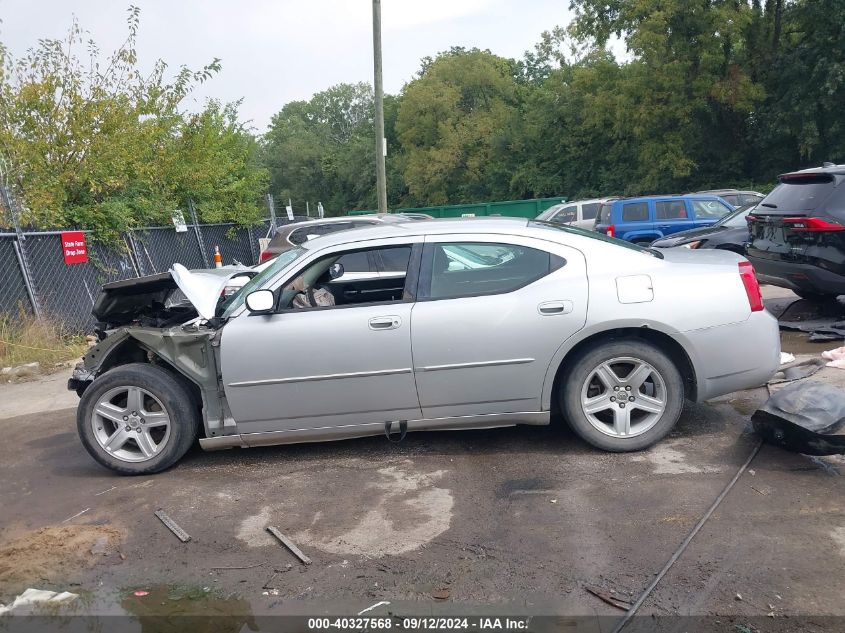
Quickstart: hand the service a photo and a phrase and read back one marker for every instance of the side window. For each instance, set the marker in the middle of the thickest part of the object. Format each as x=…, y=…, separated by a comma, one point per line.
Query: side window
x=748, y=198
x=357, y=262
x=320, y=284
x=709, y=209
x=395, y=259
x=635, y=212
x=566, y=215
x=464, y=269
x=590, y=210
x=670, y=210
x=298, y=237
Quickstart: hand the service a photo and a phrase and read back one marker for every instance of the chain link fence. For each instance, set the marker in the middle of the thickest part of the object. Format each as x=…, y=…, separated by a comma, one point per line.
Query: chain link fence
x=35, y=278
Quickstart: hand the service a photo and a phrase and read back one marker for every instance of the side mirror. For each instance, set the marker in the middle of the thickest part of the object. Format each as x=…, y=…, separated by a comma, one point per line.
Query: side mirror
x=261, y=301
x=336, y=271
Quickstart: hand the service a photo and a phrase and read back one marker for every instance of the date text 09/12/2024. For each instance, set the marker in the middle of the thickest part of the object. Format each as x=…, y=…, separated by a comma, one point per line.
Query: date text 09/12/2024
x=427, y=623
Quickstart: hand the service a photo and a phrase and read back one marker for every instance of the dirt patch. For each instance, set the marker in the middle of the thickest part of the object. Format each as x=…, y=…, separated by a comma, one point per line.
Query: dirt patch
x=54, y=552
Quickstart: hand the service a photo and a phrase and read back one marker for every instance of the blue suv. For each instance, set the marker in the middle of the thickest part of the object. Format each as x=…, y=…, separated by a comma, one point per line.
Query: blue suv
x=645, y=219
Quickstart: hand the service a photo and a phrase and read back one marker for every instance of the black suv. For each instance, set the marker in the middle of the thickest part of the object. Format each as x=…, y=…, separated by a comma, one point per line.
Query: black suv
x=797, y=233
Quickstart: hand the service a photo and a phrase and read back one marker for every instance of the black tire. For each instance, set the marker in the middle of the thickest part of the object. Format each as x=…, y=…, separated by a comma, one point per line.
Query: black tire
x=582, y=366
x=175, y=398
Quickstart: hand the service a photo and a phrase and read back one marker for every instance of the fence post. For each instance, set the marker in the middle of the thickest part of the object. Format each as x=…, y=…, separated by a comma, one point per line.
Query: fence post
x=198, y=233
x=20, y=252
x=271, y=207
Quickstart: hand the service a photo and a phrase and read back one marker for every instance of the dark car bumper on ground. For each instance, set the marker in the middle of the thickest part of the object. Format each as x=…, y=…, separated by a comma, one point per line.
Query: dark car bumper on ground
x=800, y=277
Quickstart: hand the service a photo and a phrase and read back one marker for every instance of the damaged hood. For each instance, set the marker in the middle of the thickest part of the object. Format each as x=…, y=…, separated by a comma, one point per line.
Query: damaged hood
x=175, y=296
x=202, y=289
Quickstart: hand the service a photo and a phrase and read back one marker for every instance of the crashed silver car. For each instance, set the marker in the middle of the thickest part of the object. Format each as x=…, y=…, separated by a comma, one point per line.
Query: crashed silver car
x=481, y=323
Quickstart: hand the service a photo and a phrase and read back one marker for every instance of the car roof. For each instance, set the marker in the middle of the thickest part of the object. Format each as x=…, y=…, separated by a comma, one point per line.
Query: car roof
x=489, y=225
x=827, y=168
x=672, y=196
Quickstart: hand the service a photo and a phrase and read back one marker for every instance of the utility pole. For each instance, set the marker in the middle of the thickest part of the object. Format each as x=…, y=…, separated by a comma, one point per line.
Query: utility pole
x=381, y=146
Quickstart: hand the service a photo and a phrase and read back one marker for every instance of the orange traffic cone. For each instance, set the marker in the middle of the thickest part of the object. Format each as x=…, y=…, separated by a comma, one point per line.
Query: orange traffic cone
x=218, y=258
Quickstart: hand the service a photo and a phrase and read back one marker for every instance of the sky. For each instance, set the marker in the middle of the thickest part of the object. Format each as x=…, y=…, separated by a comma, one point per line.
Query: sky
x=273, y=52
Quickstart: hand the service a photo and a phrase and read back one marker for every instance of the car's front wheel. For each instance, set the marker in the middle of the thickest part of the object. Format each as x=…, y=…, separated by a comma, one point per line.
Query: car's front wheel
x=622, y=395
x=137, y=419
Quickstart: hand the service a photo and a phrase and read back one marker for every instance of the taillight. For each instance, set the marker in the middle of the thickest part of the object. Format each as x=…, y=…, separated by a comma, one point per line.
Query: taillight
x=812, y=225
x=752, y=288
x=750, y=218
x=611, y=231
x=265, y=256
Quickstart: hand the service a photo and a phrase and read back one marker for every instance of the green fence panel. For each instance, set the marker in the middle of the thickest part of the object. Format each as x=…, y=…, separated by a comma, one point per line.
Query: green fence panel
x=512, y=208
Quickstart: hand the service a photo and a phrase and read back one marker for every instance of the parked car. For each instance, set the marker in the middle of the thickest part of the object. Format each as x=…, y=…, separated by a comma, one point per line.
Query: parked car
x=730, y=234
x=613, y=335
x=292, y=235
x=798, y=233
x=735, y=197
x=645, y=219
x=580, y=213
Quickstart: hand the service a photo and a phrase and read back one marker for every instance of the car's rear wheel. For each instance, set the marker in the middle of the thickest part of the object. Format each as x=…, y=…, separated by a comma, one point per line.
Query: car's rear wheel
x=137, y=419
x=622, y=395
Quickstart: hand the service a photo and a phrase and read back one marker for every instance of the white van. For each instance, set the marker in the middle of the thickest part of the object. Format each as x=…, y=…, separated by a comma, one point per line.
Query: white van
x=579, y=213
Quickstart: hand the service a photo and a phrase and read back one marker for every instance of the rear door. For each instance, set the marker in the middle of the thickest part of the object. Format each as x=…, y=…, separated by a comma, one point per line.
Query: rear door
x=637, y=222
x=491, y=312
x=672, y=216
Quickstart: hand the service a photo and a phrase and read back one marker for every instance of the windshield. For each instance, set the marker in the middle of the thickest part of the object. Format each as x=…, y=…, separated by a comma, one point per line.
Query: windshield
x=737, y=218
x=233, y=303
x=596, y=236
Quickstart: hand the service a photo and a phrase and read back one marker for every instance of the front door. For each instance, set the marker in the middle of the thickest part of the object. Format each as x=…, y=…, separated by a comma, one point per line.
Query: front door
x=672, y=216
x=314, y=368
x=489, y=317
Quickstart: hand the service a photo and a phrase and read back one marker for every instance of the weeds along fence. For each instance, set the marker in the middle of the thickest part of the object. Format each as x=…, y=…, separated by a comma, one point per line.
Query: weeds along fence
x=35, y=278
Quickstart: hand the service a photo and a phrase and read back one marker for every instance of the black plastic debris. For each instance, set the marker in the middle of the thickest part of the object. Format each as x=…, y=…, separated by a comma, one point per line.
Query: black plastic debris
x=806, y=417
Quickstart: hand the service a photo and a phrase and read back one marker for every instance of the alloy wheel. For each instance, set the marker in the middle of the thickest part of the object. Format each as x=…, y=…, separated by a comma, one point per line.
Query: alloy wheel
x=623, y=397
x=131, y=424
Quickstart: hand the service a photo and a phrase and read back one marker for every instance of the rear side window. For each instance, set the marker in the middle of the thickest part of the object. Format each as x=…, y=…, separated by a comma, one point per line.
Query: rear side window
x=670, y=210
x=635, y=212
x=302, y=235
x=709, y=209
x=464, y=269
x=731, y=198
x=803, y=193
x=566, y=215
x=590, y=210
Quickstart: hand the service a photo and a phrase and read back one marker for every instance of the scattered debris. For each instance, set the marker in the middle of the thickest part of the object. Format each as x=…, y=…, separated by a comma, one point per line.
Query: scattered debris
x=105, y=491
x=786, y=357
x=171, y=525
x=797, y=370
x=806, y=418
x=32, y=597
x=441, y=594
x=553, y=501
x=377, y=604
x=78, y=514
x=240, y=566
x=757, y=490
x=289, y=544
x=140, y=593
x=752, y=472
x=20, y=371
x=738, y=597
x=836, y=357
x=609, y=597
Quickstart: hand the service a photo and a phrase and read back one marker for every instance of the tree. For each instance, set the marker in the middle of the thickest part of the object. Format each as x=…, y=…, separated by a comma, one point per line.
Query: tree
x=456, y=124
x=97, y=144
x=323, y=149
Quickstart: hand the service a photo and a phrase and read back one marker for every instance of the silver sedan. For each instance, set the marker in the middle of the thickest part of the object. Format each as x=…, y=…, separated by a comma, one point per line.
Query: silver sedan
x=475, y=323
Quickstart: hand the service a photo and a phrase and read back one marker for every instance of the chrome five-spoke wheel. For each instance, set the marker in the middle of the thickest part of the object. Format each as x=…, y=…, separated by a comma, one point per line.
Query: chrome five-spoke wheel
x=623, y=397
x=130, y=423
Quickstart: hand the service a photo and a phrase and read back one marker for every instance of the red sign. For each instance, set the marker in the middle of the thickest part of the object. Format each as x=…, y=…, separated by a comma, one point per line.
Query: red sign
x=74, y=248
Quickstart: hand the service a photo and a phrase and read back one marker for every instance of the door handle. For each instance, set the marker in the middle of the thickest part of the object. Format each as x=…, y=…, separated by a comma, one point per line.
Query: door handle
x=385, y=323
x=549, y=308
x=663, y=226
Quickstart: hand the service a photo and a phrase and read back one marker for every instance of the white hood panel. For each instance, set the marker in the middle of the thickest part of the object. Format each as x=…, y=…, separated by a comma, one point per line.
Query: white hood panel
x=203, y=290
